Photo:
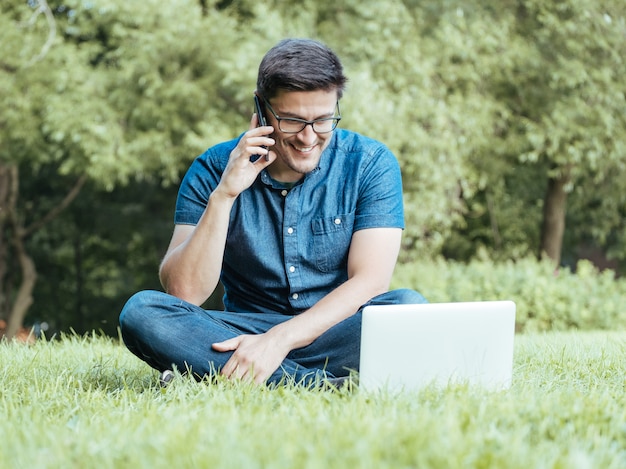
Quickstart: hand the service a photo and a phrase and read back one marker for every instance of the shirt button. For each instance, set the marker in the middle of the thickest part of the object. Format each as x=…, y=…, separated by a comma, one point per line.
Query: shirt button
x=284, y=192
x=292, y=269
x=295, y=296
x=290, y=230
x=337, y=221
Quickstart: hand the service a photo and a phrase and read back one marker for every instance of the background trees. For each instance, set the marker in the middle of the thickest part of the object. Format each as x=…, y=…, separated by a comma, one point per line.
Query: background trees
x=507, y=118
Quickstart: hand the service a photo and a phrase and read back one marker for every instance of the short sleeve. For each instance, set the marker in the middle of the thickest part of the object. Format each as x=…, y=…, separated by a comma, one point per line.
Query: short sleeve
x=199, y=182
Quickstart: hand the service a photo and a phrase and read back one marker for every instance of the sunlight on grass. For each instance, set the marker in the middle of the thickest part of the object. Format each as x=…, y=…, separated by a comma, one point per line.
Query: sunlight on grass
x=87, y=402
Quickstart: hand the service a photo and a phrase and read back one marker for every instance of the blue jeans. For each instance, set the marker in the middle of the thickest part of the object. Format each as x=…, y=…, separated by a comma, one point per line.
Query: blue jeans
x=168, y=332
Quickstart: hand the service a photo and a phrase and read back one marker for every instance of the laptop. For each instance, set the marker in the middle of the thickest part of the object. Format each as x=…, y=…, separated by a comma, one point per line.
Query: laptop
x=410, y=347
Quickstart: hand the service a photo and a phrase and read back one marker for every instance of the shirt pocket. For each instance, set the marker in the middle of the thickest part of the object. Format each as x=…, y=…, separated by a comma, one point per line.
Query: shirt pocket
x=331, y=240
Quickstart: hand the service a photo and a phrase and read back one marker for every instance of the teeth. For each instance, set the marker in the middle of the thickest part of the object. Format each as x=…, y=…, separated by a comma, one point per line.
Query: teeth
x=304, y=148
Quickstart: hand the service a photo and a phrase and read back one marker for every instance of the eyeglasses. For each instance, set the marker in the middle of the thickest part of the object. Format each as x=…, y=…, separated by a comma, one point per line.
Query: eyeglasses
x=293, y=125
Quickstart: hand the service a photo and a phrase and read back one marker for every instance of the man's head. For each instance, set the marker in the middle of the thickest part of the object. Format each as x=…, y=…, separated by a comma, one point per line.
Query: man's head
x=300, y=65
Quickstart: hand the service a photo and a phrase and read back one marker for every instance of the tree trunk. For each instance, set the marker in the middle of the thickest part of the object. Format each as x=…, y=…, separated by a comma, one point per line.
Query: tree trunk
x=12, y=238
x=554, y=210
x=24, y=296
x=5, y=185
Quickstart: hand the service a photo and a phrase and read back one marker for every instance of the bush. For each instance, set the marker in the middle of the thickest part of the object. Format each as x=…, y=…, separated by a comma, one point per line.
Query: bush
x=546, y=298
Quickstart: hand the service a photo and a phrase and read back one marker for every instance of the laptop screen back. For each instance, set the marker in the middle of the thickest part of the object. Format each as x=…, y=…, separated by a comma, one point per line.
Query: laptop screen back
x=413, y=346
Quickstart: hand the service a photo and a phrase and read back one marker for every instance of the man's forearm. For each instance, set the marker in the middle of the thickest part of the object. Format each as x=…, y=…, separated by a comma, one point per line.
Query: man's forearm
x=191, y=268
x=372, y=258
x=338, y=305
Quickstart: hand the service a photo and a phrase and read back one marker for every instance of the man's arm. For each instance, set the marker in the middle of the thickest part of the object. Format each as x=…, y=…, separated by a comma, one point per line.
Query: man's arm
x=191, y=267
x=371, y=261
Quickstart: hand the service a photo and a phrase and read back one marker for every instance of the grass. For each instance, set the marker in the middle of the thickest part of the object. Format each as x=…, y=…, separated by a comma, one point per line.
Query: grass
x=87, y=402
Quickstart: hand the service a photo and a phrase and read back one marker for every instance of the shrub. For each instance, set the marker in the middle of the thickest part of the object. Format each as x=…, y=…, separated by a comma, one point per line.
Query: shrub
x=546, y=298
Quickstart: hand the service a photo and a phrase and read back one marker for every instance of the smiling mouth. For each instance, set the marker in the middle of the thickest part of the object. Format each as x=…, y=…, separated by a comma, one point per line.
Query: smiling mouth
x=304, y=149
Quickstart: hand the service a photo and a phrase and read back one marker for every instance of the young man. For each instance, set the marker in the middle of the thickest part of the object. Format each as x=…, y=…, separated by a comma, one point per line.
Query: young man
x=302, y=223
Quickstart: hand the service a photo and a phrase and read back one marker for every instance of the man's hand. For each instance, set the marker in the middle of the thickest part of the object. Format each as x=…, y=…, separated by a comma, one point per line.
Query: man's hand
x=240, y=172
x=255, y=358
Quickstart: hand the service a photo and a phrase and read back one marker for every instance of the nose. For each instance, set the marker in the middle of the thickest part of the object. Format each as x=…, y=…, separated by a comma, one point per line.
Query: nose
x=307, y=135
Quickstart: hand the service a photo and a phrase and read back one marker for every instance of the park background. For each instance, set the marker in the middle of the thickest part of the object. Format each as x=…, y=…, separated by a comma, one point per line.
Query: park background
x=507, y=118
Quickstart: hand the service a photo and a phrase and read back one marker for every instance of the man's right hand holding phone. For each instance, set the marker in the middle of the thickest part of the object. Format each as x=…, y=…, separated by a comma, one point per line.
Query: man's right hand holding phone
x=242, y=169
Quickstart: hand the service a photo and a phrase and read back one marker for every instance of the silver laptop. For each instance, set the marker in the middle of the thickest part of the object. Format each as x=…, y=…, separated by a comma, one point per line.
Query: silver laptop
x=409, y=347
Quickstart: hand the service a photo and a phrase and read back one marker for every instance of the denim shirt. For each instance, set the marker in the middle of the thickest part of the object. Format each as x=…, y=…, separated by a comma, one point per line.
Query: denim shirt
x=287, y=248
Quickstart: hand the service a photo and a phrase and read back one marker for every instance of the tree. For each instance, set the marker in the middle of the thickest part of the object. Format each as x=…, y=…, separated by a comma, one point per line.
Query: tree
x=81, y=99
x=126, y=93
x=562, y=81
x=482, y=102
x=17, y=135
x=578, y=128
x=551, y=78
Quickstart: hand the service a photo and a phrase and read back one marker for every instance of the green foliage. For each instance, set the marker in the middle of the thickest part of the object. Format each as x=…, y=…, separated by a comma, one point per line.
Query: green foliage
x=87, y=402
x=481, y=101
x=546, y=298
x=124, y=93
x=551, y=71
x=98, y=253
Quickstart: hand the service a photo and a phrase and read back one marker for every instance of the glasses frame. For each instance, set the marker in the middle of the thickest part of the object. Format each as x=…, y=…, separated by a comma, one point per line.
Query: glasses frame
x=305, y=122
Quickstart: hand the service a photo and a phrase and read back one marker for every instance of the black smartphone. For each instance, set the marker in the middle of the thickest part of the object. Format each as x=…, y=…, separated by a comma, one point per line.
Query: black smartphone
x=262, y=121
x=259, y=111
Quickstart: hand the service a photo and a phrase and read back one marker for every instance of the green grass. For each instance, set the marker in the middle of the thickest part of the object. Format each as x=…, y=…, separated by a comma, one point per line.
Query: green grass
x=87, y=402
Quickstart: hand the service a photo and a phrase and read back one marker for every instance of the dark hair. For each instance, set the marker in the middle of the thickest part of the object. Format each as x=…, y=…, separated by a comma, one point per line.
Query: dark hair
x=300, y=65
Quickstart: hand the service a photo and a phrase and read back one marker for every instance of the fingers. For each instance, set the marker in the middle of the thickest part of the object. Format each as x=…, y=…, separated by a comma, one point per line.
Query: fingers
x=235, y=370
x=252, y=359
x=253, y=143
x=259, y=153
x=254, y=123
x=232, y=368
x=227, y=345
x=242, y=168
x=256, y=146
x=231, y=365
x=248, y=374
x=258, y=137
x=238, y=367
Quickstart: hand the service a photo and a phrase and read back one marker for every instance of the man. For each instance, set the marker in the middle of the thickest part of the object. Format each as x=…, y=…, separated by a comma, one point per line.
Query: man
x=301, y=222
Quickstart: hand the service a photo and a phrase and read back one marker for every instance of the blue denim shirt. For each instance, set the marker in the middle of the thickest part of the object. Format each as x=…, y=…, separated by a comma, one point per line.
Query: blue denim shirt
x=288, y=248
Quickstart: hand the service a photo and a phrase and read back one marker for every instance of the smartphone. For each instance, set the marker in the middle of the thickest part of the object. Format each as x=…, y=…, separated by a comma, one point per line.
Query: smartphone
x=262, y=121
x=259, y=111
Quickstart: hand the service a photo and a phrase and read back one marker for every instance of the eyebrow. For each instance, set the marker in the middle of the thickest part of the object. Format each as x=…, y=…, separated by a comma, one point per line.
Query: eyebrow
x=289, y=115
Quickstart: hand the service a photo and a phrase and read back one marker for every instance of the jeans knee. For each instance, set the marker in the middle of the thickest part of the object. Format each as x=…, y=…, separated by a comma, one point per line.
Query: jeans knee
x=400, y=296
x=134, y=311
x=408, y=296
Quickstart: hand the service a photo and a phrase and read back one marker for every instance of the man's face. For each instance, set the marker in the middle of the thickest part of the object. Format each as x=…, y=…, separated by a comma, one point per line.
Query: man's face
x=299, y=154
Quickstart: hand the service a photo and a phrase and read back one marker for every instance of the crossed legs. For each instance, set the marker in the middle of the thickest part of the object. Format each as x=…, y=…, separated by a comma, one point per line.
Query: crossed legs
x=165, y=331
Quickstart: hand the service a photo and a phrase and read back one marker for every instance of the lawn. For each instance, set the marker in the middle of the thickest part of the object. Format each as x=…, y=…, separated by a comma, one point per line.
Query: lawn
x=87, y=402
